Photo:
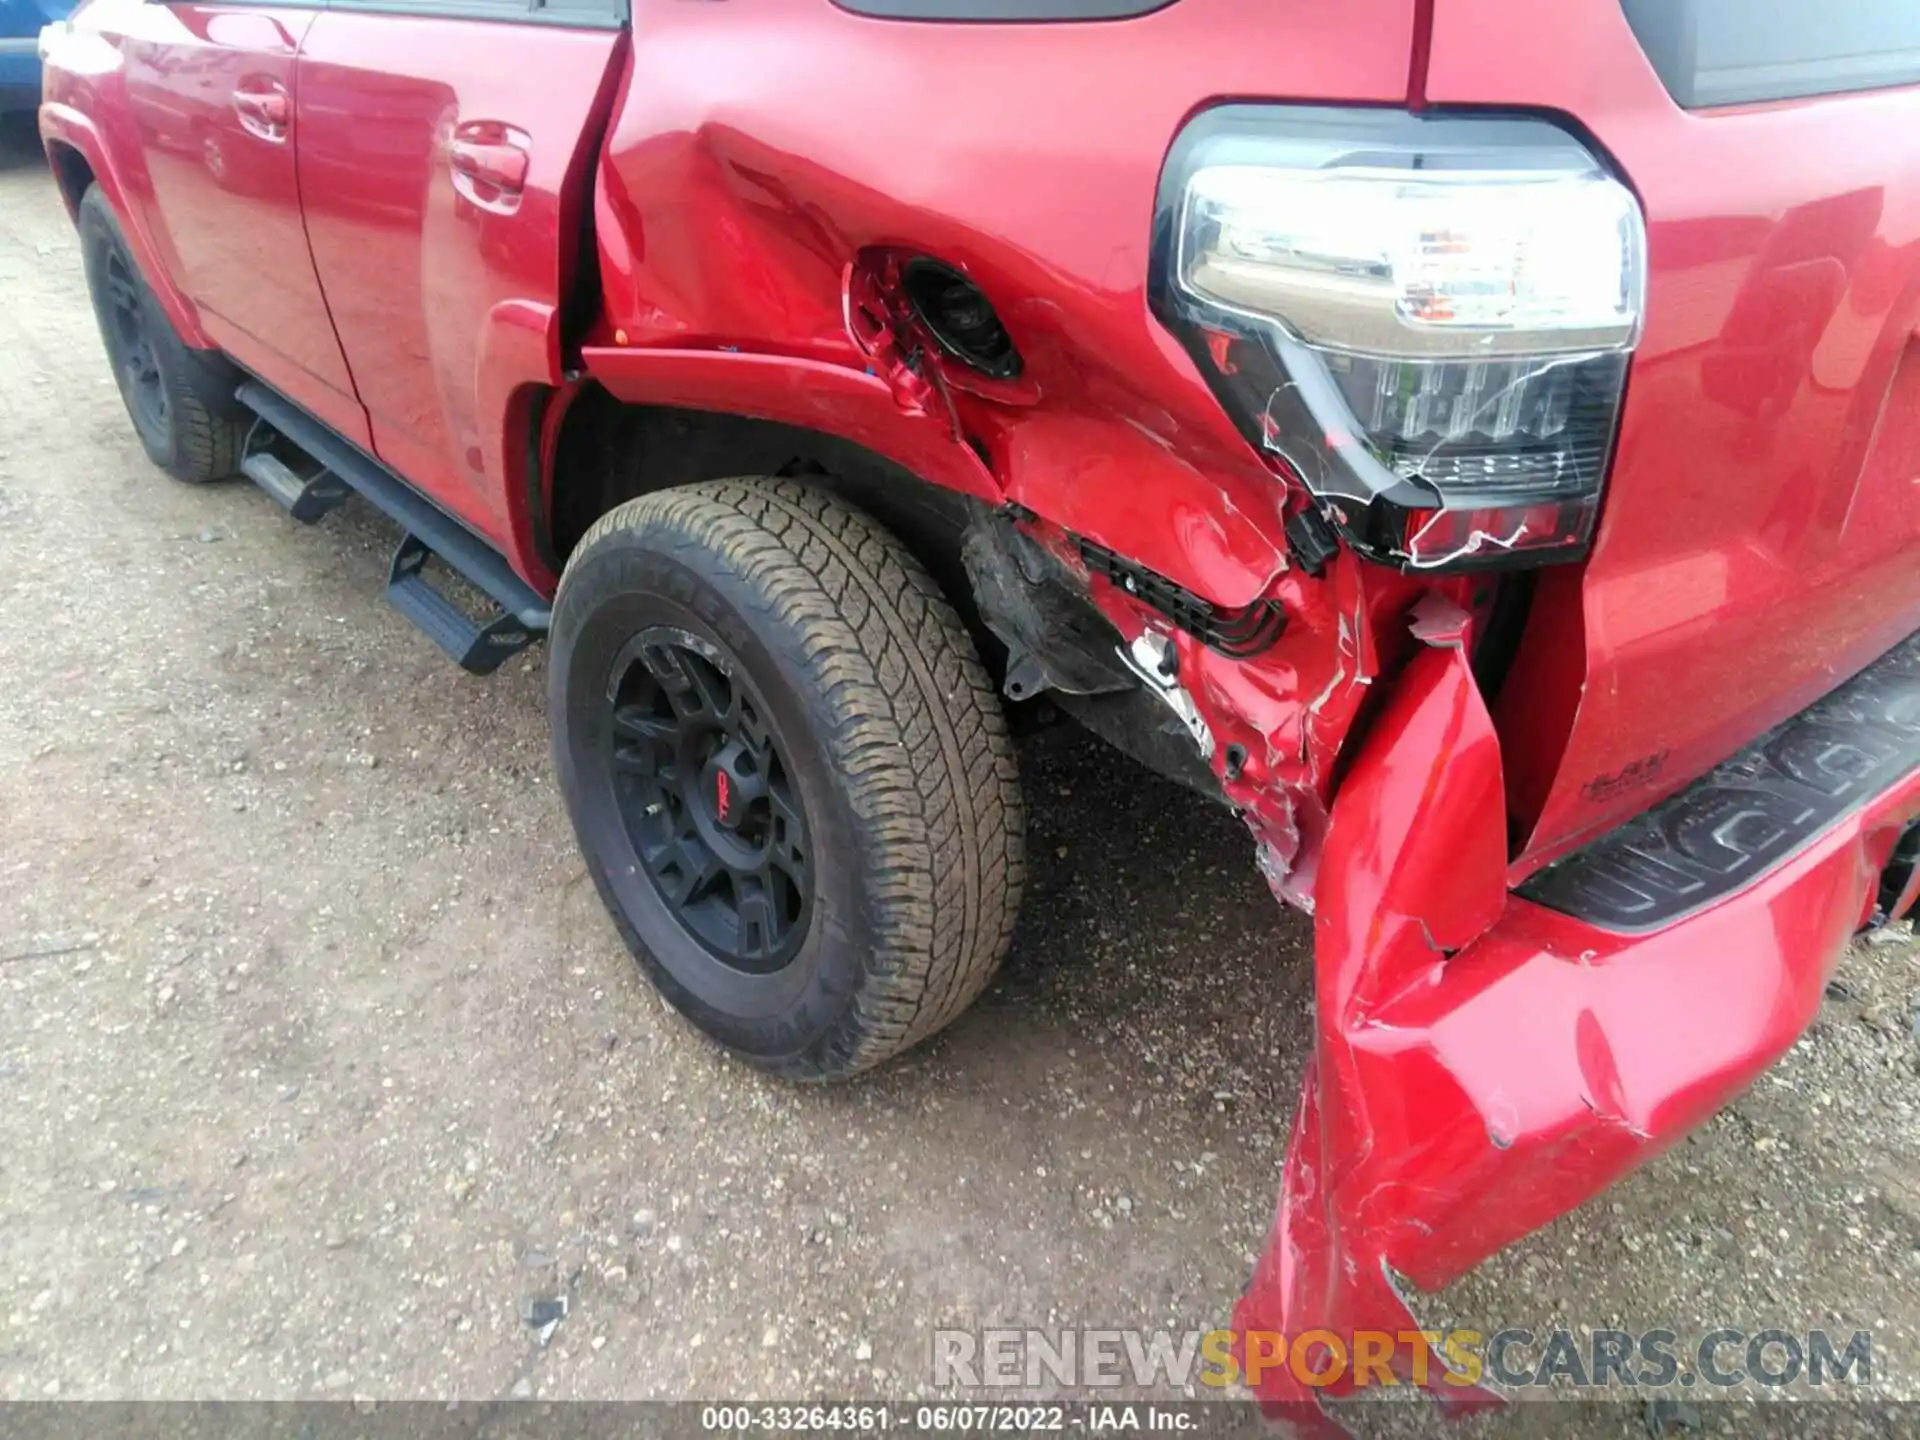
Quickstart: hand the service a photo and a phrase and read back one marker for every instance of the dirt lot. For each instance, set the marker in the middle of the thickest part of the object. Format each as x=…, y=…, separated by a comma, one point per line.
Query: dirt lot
x=319, y=1062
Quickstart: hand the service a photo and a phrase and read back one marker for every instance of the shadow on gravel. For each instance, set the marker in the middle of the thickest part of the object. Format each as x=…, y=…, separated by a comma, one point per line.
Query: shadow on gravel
x=1148, y=945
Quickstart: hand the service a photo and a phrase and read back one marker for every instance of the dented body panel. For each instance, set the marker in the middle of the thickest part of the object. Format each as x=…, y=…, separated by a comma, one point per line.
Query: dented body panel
x=1459, y=1098
x=743, y=219
x=732, y=203
x=1482, y=1063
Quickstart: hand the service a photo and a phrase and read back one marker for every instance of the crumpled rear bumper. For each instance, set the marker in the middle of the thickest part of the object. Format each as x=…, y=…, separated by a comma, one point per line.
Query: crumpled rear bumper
x=1483, y=1063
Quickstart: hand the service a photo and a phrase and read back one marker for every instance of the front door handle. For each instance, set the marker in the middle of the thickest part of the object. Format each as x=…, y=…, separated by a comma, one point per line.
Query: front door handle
x=490, y=163
x=502, y=166
x=264, y=109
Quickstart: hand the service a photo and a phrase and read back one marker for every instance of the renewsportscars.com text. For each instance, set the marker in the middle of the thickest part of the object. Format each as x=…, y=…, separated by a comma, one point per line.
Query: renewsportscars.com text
x=1512, y=1359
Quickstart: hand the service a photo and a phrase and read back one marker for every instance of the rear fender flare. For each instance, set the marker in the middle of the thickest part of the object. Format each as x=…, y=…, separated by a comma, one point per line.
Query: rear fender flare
x=811, y=394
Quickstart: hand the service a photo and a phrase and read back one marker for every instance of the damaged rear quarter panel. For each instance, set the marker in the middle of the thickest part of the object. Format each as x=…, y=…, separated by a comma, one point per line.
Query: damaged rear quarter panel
x=751, y=173
x=1480, y=1065
x=749, y=166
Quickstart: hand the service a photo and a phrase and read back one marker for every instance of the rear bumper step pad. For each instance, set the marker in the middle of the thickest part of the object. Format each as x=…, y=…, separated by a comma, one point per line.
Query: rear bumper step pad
x=1746, y=816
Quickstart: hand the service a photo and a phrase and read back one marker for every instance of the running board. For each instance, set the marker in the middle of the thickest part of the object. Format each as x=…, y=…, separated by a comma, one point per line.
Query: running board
x=478, y=644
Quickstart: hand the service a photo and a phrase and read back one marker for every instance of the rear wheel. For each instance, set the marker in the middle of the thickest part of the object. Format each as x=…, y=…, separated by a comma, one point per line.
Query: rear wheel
x=788, y=770
x=180, y=400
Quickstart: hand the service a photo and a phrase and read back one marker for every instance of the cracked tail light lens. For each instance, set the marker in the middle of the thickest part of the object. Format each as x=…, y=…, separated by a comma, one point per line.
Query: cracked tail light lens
x=1428, y=318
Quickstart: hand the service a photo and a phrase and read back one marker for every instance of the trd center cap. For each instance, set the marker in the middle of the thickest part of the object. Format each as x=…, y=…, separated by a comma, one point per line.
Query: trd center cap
x=727, y=791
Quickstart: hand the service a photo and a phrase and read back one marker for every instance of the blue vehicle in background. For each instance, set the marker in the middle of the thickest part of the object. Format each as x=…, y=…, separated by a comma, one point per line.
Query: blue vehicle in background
x=20, y=22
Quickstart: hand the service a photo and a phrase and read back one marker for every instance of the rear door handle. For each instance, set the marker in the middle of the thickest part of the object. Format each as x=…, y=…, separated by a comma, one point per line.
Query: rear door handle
x=490, y=163
x=264, y=109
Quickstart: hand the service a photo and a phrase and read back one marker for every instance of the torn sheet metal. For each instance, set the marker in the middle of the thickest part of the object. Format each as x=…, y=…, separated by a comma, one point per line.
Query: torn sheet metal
x=1482, y=1064
x=1270, y=725
x=1413, y=869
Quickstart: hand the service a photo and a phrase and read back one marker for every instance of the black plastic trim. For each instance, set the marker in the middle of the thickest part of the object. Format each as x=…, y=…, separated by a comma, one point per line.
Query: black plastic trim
x=1238, y=634
x=1898, y=875
x=538, y=510
x=1019, y=11
x=1738, y=52
x=1753, y=812
x=452, y=542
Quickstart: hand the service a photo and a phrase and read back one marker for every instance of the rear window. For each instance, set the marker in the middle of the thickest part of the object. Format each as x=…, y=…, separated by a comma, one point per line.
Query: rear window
x=1733, y=52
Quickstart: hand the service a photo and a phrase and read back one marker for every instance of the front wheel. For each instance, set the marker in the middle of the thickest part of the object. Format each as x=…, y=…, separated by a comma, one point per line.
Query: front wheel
x=788, y=770
x=180, y=400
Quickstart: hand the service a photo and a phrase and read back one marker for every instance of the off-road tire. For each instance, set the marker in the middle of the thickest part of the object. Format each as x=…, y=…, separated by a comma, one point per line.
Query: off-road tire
x=897, y=741
x=201, y=434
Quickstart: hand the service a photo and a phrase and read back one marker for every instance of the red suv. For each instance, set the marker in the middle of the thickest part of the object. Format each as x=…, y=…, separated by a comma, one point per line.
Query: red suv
x=1476, y=440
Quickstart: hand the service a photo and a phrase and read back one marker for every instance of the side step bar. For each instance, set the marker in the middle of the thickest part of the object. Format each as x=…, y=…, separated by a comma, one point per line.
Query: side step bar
x=480, y=645
x=305, y=497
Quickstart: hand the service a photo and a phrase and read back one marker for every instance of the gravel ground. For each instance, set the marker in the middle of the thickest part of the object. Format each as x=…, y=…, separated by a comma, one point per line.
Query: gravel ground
x=320, y=1065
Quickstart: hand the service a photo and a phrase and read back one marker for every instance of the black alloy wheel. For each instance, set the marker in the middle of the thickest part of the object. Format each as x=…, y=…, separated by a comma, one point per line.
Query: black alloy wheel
x=181, y=400
x=788, y=771
x=130, y=346
x=704, y=790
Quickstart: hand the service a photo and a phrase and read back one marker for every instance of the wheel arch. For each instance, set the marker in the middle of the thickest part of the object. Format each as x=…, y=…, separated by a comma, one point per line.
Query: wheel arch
x=76, y=153
x=72, y=172
x=604, y=451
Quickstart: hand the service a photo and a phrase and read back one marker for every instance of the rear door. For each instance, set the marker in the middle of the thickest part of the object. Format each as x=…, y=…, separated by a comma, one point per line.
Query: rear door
x=1759, y=539
x=445, y=159
x=211, y=91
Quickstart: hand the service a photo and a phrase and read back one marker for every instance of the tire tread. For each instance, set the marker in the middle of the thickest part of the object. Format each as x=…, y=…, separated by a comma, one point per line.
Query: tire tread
x=913, y=722
x=204, y=444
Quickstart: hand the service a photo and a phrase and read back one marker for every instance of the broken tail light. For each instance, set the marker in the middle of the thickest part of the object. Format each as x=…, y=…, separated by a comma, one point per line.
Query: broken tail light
x=1427, y=317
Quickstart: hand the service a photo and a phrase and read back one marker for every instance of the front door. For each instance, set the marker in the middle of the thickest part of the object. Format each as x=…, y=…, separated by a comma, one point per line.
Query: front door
x=212, y=89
